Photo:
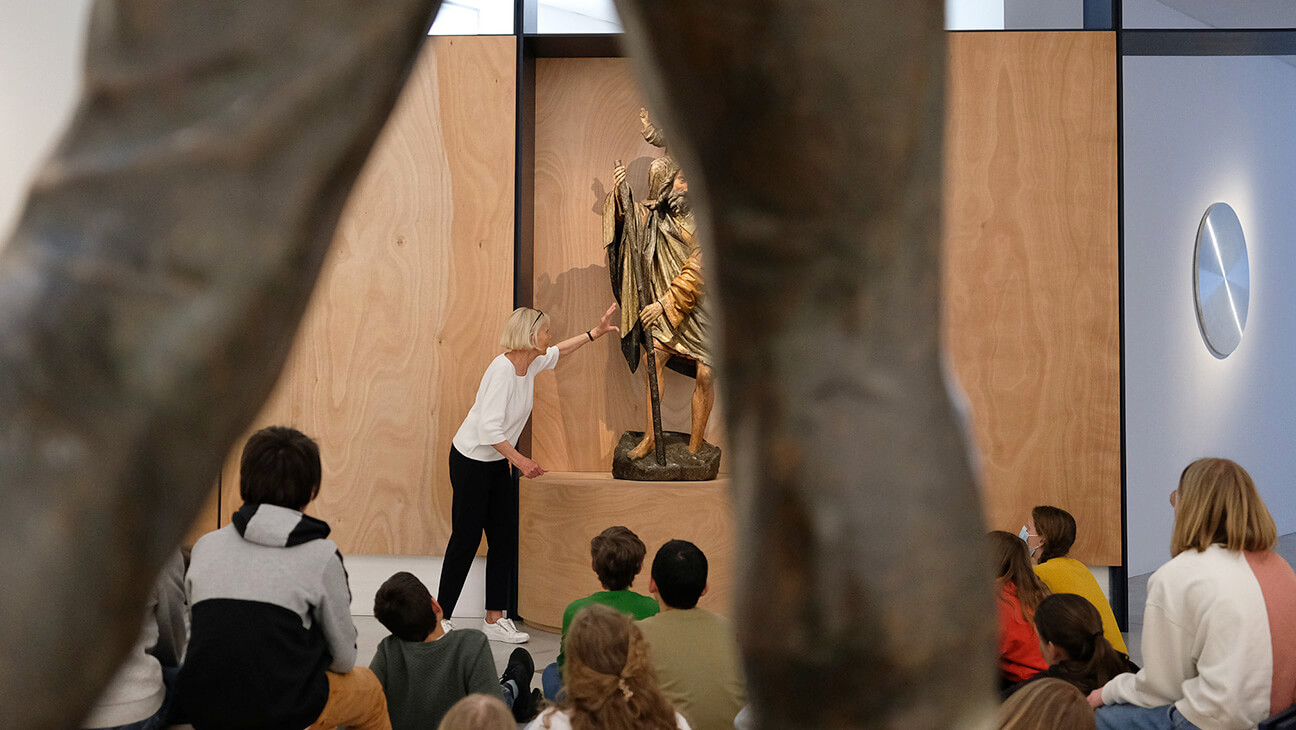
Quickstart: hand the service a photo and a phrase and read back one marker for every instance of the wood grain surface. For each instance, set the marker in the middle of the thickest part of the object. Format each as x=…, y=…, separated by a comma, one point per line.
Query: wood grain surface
x=408, y=310
x=587, y=116
x=1031, y=274
x=562, y=512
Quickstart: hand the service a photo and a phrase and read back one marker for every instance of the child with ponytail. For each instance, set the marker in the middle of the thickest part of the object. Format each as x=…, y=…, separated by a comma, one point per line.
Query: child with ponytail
x=609, y=679
x=1072, y=642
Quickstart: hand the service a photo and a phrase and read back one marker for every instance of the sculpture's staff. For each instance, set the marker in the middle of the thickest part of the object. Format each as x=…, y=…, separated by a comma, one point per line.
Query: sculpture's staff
x=630, y=237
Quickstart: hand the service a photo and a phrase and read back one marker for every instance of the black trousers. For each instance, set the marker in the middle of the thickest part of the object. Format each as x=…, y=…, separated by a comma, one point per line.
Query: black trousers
x=484, y=500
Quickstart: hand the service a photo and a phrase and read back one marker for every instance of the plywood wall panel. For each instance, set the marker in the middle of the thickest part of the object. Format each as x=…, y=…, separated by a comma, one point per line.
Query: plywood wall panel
x=408, y=309
x=1032, y=312
x=562, y=512
x=587, y=116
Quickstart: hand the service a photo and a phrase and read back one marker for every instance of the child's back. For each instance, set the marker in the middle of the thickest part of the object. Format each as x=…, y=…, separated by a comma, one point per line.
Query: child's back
x=423, y=679
x=271, y=613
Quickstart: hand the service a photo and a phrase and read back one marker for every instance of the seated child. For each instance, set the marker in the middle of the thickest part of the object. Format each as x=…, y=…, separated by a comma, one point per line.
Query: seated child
x=424, y=670
x=1048, y=703
x=478, y=712
x=694, y=651
x=1020, y=591
x=610, y=679
x=1055, y=532
x=272, y=643
x=617, y=556
x=138, y=697
x=1072, y=642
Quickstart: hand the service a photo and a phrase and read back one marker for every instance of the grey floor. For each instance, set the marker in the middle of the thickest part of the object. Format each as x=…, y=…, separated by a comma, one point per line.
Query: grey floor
x=1138, y=596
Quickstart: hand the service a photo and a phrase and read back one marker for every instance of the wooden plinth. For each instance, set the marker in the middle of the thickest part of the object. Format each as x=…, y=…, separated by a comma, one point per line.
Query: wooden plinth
x=562, y=511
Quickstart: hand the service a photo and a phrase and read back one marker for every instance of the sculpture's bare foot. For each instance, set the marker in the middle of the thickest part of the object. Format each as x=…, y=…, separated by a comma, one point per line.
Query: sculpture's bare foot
x=695, y=443
x=643, y=448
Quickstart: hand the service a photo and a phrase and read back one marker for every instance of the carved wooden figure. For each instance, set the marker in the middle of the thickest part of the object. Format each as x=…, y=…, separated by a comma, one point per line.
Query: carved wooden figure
x=655, y=261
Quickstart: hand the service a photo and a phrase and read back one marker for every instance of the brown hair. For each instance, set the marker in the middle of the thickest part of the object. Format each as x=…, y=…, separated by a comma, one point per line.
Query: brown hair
x=1058, y=529
x=478, y=712
x=1072, y=624
x=618, y=556
x=1049, y=703
x=609, y=676
x=1218, y=503
x=1010, y=561
x=279, y=466
x=403, y=605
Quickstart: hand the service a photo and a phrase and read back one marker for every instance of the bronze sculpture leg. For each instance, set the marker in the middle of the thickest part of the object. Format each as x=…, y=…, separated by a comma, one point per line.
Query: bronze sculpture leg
x=150, y=293
x=812, y=130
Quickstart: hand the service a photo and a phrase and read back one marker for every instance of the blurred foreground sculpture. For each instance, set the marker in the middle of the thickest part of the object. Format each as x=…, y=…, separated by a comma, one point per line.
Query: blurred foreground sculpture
x=151, y=291
x=813, y=133
x=150, y=294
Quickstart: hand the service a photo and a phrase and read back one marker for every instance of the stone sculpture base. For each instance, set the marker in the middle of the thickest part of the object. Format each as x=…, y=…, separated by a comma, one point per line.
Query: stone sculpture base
x=681, y=466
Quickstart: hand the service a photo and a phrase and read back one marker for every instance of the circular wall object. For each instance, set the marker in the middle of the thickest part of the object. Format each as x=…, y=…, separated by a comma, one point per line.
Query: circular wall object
x=1221, y=279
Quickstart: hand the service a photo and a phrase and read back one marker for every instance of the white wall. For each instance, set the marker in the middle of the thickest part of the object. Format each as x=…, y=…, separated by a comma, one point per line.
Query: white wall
x=1197, y=131
x=40, y=77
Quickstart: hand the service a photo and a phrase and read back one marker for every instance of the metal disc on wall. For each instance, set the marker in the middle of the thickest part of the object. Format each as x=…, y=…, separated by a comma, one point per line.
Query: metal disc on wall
x=1221, y=279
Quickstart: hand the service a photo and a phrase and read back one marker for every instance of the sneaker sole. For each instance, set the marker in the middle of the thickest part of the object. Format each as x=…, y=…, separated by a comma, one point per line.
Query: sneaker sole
x=508, y=639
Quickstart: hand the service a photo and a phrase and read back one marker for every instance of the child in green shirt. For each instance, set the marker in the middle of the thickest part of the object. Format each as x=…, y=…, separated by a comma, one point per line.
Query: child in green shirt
x=617, y=556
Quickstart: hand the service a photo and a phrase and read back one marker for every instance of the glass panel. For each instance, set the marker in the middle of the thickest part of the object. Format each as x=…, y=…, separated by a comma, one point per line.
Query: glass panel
x=474, y=17
x=1017, y=14
x=577, y=16
x=1178, y=14
x=974, y=14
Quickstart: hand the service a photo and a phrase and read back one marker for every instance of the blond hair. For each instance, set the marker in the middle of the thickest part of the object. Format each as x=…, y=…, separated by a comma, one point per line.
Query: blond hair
x=1049, y=703
x=609, y=677
x=521, y=328
x=478, y=712
x=1218, y=503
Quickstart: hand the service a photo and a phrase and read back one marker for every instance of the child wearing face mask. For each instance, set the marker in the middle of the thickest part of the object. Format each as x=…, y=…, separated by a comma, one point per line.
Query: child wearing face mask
x=1072, y=642
x=1019, y=593
x=1050, y=534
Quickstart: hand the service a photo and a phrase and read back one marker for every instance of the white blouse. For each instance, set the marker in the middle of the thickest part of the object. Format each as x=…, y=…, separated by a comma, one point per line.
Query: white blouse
x=503, y=405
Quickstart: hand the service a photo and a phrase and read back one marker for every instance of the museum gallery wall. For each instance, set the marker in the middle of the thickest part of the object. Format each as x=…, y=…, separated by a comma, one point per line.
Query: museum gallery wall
x=408, y=310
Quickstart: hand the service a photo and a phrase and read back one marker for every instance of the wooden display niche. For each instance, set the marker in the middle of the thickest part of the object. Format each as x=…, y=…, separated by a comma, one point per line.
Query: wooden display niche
x=562, y=511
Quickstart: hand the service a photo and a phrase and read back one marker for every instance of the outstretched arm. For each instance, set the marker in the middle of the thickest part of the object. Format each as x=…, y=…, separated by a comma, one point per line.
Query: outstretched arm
x=572, y=344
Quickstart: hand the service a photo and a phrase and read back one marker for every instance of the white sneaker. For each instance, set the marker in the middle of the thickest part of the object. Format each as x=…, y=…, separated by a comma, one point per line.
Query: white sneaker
x=447, y=625
x=504, y=630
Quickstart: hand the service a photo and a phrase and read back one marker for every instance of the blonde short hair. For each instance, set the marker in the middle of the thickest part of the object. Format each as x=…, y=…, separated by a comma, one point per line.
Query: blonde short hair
x=521, y=328
x=478, y=712
x=1218, y=503
x=1050, y=703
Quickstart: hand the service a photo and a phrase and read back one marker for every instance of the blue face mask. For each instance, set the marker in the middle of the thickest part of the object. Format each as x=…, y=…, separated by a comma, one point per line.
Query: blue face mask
x=1024, y=534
